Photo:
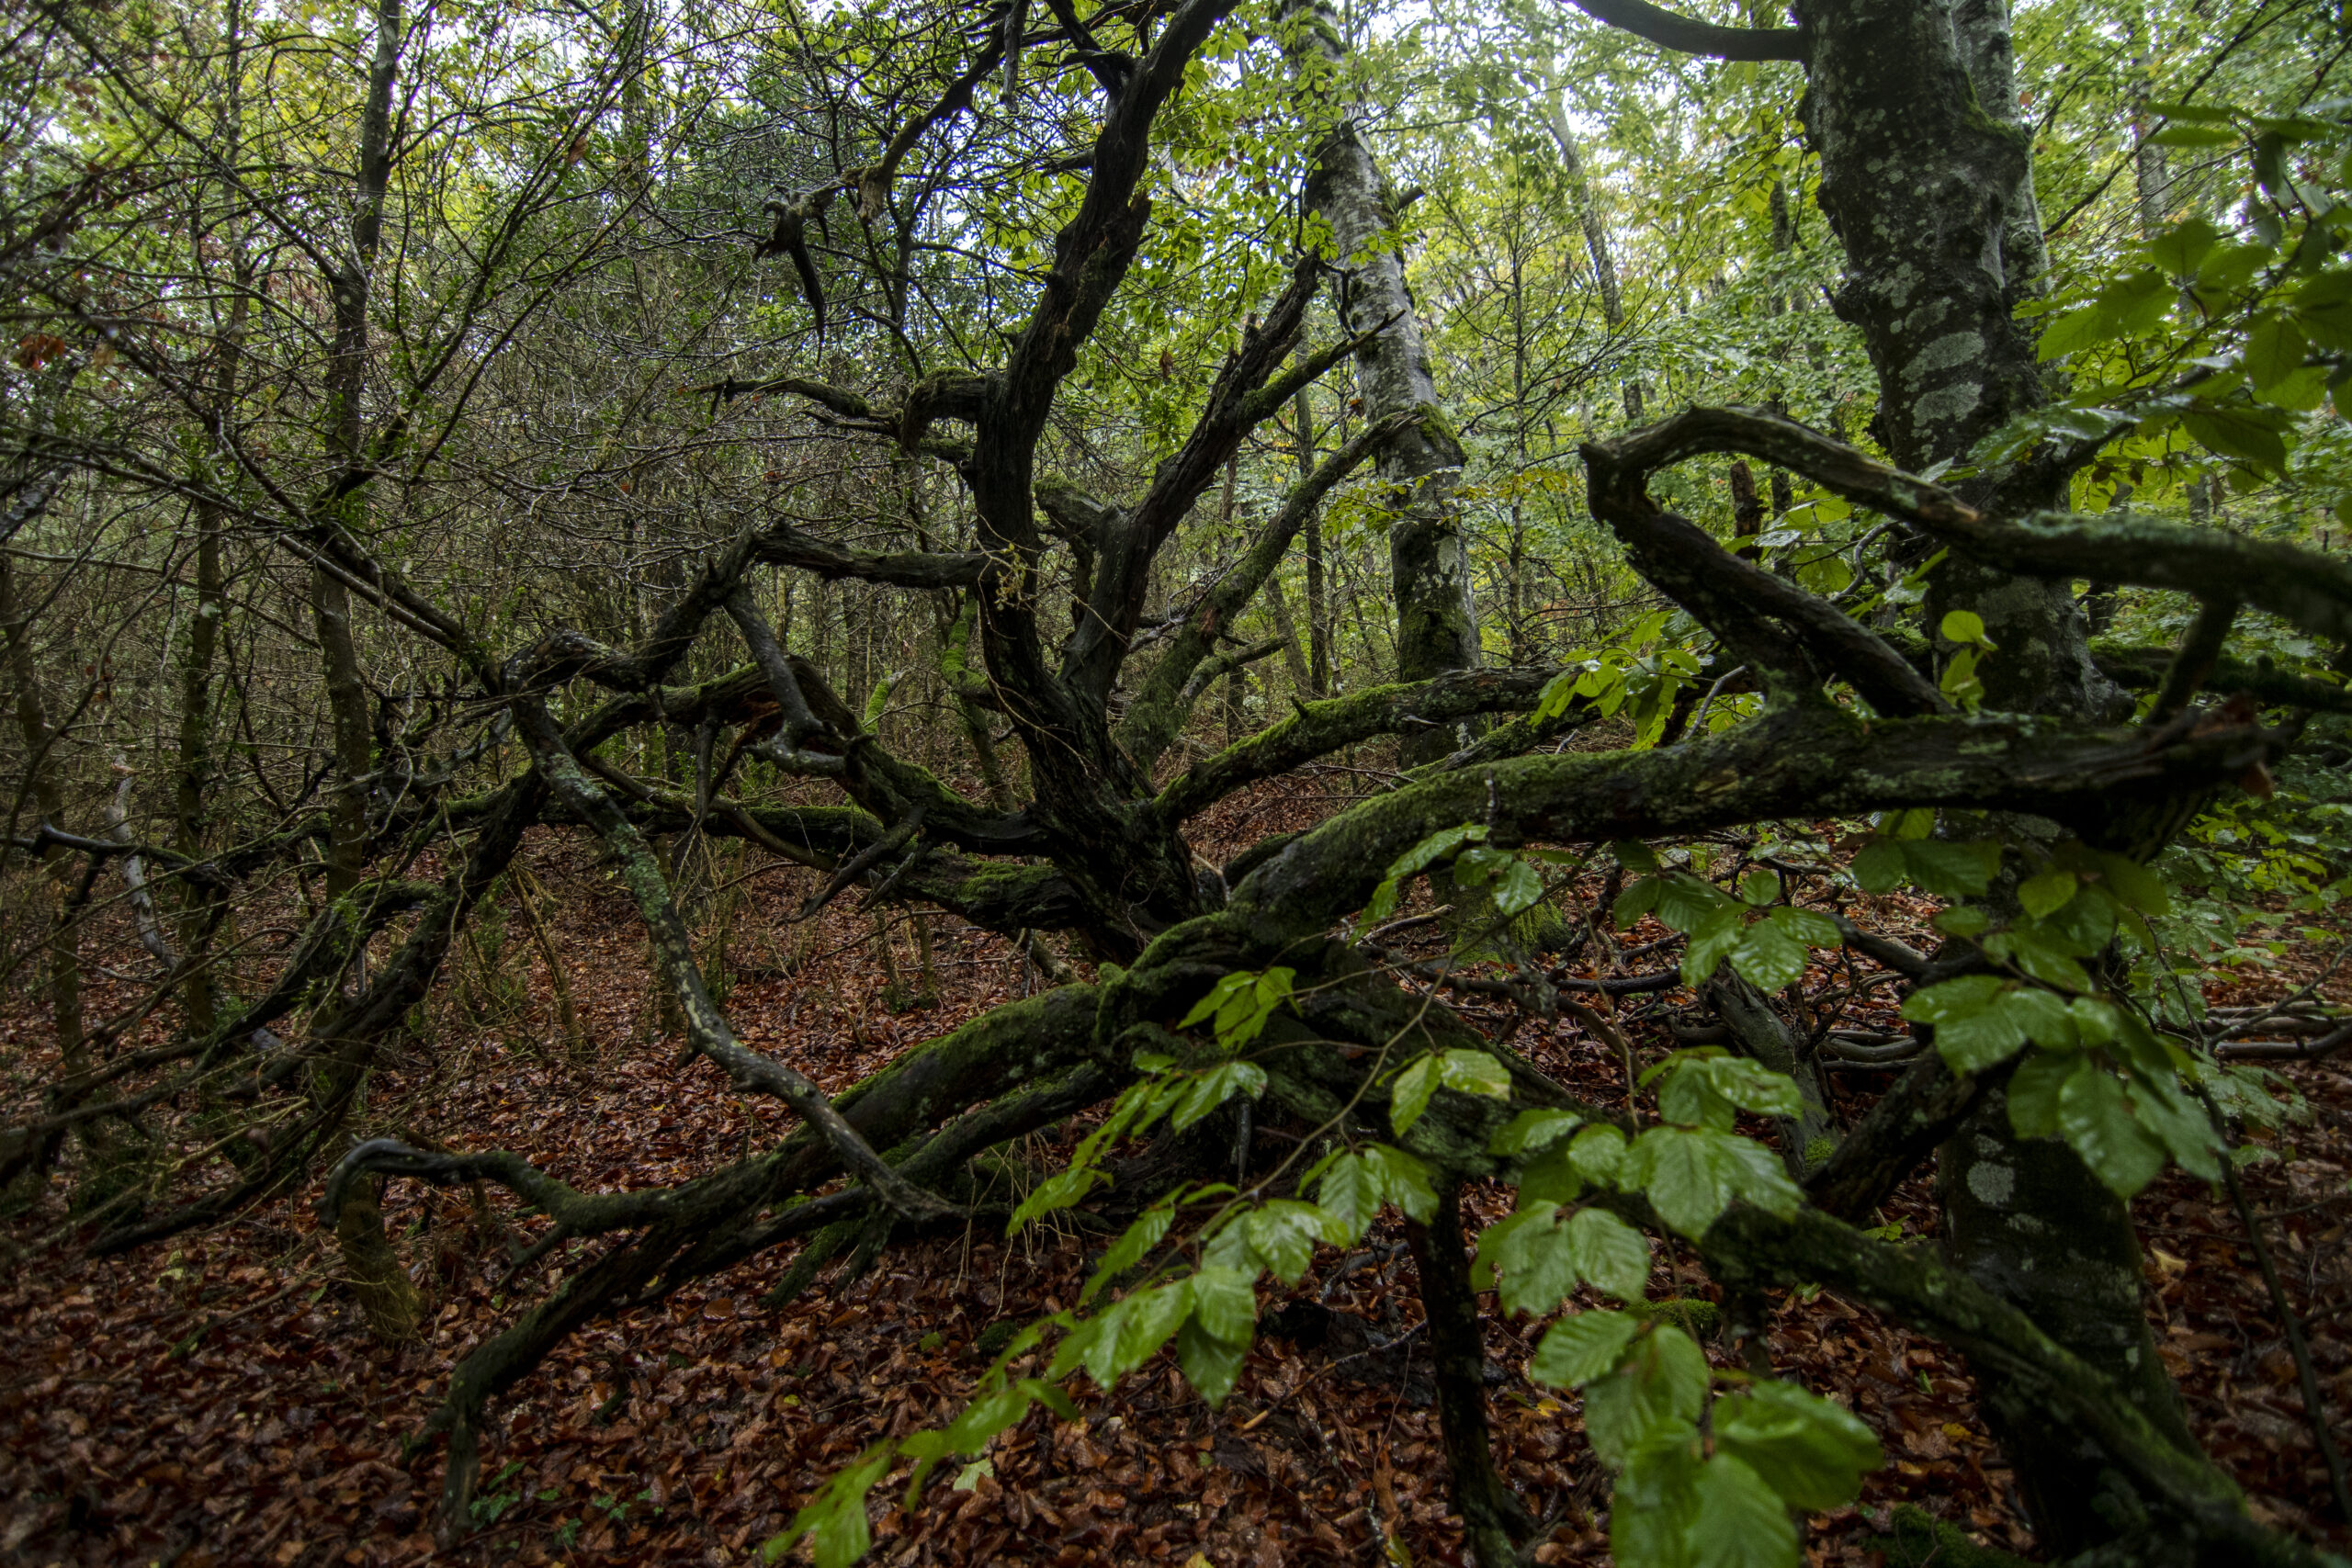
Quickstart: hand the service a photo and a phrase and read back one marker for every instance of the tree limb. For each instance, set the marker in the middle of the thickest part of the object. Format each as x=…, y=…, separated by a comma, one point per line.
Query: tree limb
x=1684, y=36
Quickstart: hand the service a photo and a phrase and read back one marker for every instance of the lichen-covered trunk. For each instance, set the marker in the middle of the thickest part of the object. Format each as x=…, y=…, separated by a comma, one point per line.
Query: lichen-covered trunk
x=1928, y=180
x=2028, y=1222
x=1437, y=618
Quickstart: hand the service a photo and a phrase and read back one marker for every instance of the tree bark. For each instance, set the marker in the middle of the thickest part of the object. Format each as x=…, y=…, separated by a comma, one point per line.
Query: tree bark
x=347, y=373
x=2025, y=1220
x=1492, y=1515
x=1596, y=232
x=1318, y=616
x=1437, y=618
x=32, y=720
x=1928, y=180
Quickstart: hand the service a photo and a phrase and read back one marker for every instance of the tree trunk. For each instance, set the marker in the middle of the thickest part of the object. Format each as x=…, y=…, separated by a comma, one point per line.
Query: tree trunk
x=2027, y=1220
x=388, y=1300
x=1492, y=1515
x=194, y=784
x=347, y=375
x=1318, y=614
x=32, y=718
x=200, y=905
x=1596, y=232
x=1926, y=180
x=1437, y=620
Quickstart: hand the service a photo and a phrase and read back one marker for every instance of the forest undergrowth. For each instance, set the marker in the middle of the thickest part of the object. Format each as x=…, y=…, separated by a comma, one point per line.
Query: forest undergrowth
x=221, y=1401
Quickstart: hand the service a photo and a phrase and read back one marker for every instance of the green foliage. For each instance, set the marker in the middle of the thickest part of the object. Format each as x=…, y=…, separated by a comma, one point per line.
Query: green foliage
x=1765, y=946
x=1240, y=1004
x=1464, y=1071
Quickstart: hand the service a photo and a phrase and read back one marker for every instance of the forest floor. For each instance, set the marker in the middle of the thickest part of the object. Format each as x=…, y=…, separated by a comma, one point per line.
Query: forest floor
x=217, y=1400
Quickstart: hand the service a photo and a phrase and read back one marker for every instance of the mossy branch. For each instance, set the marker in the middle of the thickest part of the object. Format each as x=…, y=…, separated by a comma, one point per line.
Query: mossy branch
x=1317, y=730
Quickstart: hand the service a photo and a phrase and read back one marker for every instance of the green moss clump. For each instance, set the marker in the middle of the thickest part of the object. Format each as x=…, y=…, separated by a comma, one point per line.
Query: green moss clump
x=1916, y=1538
x=1697, y=1318
x=994, y=1338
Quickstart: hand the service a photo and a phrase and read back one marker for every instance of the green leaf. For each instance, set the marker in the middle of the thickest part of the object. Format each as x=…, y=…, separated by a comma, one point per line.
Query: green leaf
x=1711, y=942
x=1810, y=927
x=2097, y=1124
x=1058, y=1191
x=1657, y=1390
x=1948, y=870
x=1441, y=843
x=2178, y=1121
x=1692, y=1176
x=1210, y=1364
x=1768, y=956
x=2076, y=330
x=1557, y=693
x=2194, y=113
x=2323, y=307
x=2047, y=892
x=1474, y=1072
x=1410, y=1094
x=2042, y=951
x=1479, y=864
x=1609, y=1253
x=2241, y=431
x=1687, y=903
x=1214, y=1088
x=1532, y=1130
x=1224, y=1303
x=2096, y=1021
x=1738, y=1521
x=1952, y=1000
x=1878, y=866
x=1694, y=1083
x=2180, y=249
x=2035, y=1088
x=2046, y=1018
x=1633, y=855
x=2274, y=351
x=1760, y=887
x=1962, y=626
x=1961, y=919
x=2134, y=884
x=2194, y=136
x=1282, y=1234
x=1653, y=1506
x=1636, y=901
x=1406, y=1179
x=1352, y=1192
x=834, y=1521
x=1529, y=1254
x=1134, y=1330
x=1519, y=887
x=1548, y=1179
x=1242, y=1016
x=1577, y=1349
x=1811, y=1451
x=1972, y=1044
x=1224, y=991
x=1597, y=1152
x=982, y=1420
x=1150, y=1228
